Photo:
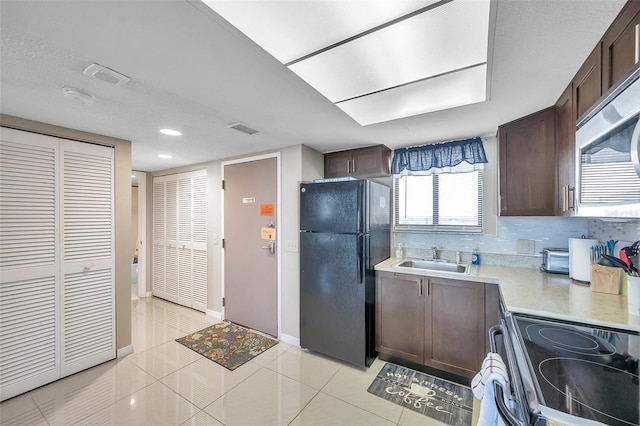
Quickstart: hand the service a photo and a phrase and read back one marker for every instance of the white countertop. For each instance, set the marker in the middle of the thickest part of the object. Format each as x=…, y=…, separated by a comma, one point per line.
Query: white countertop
x=534, y=292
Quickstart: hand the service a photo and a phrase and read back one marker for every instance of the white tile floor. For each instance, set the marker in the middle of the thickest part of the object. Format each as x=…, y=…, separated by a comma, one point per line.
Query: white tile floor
x=162, y=382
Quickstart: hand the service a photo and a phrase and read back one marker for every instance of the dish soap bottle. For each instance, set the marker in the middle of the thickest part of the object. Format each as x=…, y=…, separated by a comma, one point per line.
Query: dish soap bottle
x=475, y=257
x=399, y=251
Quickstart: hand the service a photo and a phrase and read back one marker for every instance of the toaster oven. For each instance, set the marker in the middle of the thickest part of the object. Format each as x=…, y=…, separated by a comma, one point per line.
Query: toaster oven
x=555, y=261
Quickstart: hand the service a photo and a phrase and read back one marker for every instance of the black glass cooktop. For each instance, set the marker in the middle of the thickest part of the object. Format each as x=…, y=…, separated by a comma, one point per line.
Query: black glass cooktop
x=584, y=371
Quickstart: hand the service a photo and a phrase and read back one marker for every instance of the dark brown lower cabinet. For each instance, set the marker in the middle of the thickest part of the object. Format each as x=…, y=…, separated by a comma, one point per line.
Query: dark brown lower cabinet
x=400, y=309
x=454, y=327
x=437, y=322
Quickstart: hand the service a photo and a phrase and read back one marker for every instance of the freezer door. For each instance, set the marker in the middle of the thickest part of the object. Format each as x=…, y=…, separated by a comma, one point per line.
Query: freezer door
x=379, y=206
x=332, y=295
x=335, y=207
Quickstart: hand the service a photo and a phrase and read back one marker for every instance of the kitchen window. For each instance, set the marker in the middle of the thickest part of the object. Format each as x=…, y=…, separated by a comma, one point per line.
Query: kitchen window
x=439, y=187
x=439, y=202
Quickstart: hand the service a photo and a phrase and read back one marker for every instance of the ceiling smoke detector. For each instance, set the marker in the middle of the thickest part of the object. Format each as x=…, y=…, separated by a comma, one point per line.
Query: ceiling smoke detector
x=78, y=95
x=105, y=74
x=241, y=127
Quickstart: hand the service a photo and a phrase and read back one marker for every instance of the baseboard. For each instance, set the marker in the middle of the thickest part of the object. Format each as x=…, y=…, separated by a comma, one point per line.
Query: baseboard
x=295, y=341
x=214, y=314
x=122, y=352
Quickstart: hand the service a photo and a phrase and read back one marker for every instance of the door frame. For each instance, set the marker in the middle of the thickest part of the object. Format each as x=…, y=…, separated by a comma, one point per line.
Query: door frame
x=275, y=155
x=142, y=233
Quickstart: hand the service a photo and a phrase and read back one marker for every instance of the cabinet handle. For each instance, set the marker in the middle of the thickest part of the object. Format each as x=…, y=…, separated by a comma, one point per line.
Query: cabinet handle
x=637, y=43
x=420, y=288
x=571, y=197
x=565, y=198
x=348, y=166
x=353, y=164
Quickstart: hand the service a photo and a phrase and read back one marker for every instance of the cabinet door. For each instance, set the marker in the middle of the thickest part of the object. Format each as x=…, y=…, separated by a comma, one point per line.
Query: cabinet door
x=620, y=45
x=587, y=83
x=337, y=164
x=565, y=146
x=455, y=333
x=400, y=309
x=528, y=165
x=373, y=161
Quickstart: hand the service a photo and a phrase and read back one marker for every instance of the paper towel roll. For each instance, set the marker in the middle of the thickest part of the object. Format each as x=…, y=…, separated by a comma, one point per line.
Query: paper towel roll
x=580, y=258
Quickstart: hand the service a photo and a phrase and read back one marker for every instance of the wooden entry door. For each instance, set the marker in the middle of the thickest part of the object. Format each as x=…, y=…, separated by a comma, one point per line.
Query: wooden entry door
x=250, y=251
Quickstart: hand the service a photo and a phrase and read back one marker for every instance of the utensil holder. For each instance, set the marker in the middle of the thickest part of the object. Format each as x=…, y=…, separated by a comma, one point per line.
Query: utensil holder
x=605, y=279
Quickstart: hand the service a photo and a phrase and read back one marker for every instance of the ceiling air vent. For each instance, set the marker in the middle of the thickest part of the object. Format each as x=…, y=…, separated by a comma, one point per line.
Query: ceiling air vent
x=241, y=127
x=105, y=74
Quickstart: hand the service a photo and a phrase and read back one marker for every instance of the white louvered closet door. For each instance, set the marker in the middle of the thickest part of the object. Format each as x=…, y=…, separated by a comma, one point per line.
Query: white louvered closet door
x=29, y=355
x=180, y=239
x=88, y=291
x=199, y=242
x=158, y=259
x=185, y=251
x=171, y=241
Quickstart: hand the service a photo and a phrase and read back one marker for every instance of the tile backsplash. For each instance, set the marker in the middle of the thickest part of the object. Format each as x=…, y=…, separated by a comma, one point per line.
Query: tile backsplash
x=603, y=231
x=501, y=248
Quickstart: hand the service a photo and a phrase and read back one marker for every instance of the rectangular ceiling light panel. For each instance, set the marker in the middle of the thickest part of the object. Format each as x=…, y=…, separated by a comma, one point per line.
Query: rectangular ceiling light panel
x=378, y=60
x=447, y=91
x=289, y=30
x=441, y=40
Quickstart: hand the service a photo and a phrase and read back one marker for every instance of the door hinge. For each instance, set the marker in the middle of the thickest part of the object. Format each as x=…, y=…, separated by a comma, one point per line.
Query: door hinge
x=223, y=243
x=222, y=183
x=223, y=302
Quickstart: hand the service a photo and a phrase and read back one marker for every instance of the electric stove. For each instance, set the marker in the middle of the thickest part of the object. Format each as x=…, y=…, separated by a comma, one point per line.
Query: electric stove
x=583, y=371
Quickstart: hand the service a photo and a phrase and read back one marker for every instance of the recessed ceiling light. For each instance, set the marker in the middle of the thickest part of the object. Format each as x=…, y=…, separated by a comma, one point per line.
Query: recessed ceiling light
x=164, y=156
x=170, y=132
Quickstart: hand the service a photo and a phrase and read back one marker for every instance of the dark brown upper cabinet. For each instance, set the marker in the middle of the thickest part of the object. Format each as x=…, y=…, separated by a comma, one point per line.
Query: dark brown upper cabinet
x=587, y=83
x=374, y=161
x=528, y=165
x=565, y=153
x=621, y=45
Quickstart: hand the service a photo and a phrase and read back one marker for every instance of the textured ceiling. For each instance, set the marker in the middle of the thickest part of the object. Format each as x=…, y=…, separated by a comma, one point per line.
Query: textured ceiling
x=192, y=71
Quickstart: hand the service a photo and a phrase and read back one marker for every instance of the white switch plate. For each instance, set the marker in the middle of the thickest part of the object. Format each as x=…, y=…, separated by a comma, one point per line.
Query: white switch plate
x=291, y=246
x=525, y=246
x=214, y=239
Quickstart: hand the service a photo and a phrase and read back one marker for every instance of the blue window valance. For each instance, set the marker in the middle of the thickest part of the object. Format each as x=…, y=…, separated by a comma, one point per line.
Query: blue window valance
x=438, y=158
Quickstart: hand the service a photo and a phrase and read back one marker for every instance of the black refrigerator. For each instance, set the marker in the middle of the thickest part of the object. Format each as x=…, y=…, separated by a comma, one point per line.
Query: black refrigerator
x=345, y=229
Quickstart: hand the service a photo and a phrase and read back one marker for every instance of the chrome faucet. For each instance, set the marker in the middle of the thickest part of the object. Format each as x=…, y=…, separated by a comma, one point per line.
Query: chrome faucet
x=434, y=251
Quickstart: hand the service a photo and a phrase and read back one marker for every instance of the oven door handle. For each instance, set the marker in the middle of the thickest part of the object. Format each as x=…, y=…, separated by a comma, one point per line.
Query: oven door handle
x=503, y=411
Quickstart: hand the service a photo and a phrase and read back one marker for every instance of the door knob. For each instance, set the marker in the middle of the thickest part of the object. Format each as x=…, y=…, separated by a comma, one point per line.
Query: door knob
x=271, y=247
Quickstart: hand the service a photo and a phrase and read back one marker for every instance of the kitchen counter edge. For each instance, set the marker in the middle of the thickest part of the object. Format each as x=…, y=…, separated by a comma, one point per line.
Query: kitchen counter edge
x=533, y=292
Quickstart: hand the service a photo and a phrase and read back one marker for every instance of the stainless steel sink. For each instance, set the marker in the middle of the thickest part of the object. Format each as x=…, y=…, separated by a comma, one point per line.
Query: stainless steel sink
x=433, y=265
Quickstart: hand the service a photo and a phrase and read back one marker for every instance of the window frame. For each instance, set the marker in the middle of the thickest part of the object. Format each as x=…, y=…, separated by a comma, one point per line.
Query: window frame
x=436, y=227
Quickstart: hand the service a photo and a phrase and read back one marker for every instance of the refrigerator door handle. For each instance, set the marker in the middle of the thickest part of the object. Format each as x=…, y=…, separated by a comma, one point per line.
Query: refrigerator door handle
x=360, y=265
x=360, y=208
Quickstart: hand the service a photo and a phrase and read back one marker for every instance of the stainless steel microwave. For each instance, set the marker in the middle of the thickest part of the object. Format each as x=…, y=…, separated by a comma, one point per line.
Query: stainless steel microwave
x=608, y=151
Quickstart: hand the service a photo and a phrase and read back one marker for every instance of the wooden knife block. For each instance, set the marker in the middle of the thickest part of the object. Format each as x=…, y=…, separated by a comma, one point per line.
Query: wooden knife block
x=605, y=279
